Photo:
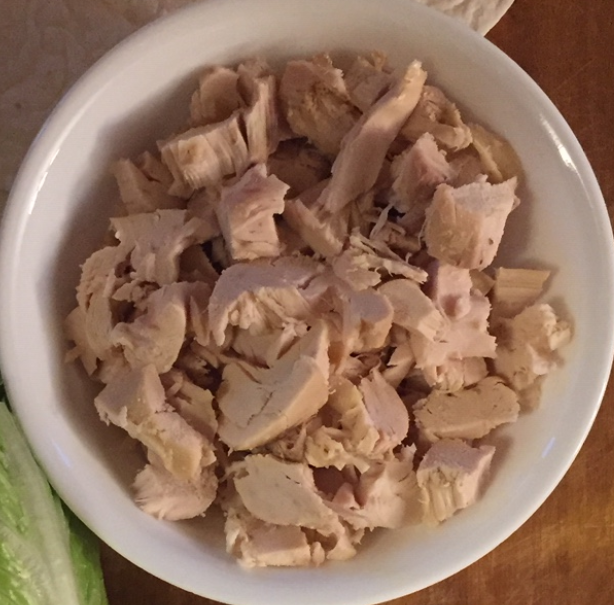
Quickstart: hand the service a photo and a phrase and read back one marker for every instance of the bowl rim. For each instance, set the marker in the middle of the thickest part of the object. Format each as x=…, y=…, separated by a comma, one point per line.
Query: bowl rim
x=32, y=173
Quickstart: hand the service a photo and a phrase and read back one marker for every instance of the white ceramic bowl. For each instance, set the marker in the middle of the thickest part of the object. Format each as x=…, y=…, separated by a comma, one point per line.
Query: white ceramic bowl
x=58, y=212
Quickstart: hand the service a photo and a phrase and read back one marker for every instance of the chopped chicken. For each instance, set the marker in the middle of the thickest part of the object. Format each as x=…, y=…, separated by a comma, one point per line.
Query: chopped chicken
x=154, y=169
x=464, y=226
x=202, y=206
x=257, y=408
x=246, y=214
x=203, y=156
x=467, y=414
x=516, y=289
x=417, y=173
x=386, y=495
x=316, y=103
x=284, y=493
x=161, y=494
x=362, y=154
x=367, y=80
x=399, y=365
x=102, y=275
x=137, y=404
x=261, y=116
x=192, y=403
x=463, y=337
x=266, y=349
x=350, y=439
x=256, y=543
x=299, y=299
x=360, y=263
x=393, y=235
x=140, y=194
x=366, y=319
x=466, y=168
x=217, y=97
x=454, y=374
x=261, y=296
x=450, y=476
x=497, y=156
x=323, y=232
x=101, y=271
x=527, y=345
x=75, y=328
x=387, y=411
x=156, y=240
x=156, y=337
x=413, y=310
x=371, y=420
x=136, y=293
x=451, y=290
x=437, y=115
x=481, y=281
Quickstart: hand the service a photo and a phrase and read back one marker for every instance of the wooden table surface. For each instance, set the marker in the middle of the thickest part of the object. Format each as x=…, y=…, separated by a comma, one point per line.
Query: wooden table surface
x=565, y=553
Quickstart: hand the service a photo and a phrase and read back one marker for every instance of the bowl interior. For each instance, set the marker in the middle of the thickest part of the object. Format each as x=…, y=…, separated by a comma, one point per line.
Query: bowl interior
x=58, y=214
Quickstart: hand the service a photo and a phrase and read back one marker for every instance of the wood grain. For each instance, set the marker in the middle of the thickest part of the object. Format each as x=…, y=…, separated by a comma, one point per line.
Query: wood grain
x=564, y=554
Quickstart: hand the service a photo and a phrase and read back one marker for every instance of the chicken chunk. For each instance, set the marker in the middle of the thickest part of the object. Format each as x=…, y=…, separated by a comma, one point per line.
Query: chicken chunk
x=316, y=103
x=467, y=414
x=364, y=262
x=455, y=374
x=498, y=158
x=323, y=232
x=516, y=289
x=399, y=365
x=463, y=337
x=156, y=337
x=246, y=214
x=156, y=240
x=140, y=194
x=161, y=494
x=265, y=349
x=368, y=79
x=387, y=411
x=203, y=156
x=360, y=160
x=136, y=403
x=75, y=329
x=437, y=115
x=284, y=493
x=258, y=407
x=527, y=345
x=192, y=402
x=418, y=171
x=450, y=476
x=413, y=310
x=261, y=117
x=464, y=226
x=261, y=296
x=386, y=495
x=217, y=96
x=256, y=543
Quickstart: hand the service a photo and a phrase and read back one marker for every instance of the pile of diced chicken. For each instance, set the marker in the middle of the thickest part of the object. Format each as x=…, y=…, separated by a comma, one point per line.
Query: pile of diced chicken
x=296, y=314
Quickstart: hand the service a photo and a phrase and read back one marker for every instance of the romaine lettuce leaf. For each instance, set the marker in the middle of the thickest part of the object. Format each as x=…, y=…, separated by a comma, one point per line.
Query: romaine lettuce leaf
x=47, y=556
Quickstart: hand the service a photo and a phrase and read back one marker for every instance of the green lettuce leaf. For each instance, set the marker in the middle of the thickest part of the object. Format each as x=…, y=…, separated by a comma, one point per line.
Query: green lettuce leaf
x=47, y=556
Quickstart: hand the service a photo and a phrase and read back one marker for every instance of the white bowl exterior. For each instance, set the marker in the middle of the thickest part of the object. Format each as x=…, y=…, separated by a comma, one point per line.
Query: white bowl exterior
x=57, y=214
